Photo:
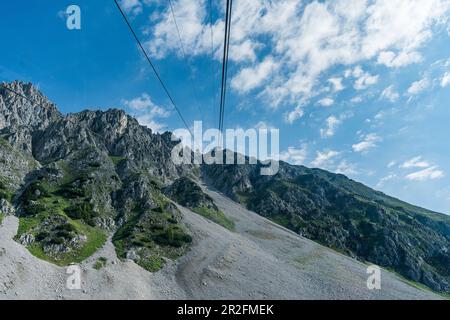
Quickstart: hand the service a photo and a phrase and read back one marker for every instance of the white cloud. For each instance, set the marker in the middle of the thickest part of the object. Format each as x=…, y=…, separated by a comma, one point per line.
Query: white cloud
x=195, y=34
x=131, y=6
x=430, y=173
x=294, y=115
x=263, y=125
x=294, y=155
x=363, y=79
x=337, y=84
x=380, y=115
x=390, y=94
x=245, y=51
x=391, y=164
x=148, y=121
x=250, y=78
x=324, y=158
x=383, y=180
x=357, y=99
x=369, y=141
x=418, y=86
x=415, y=162
x=146, y=112
x=445, y=81
x=332, y=123
x=331, y=160
x=346, y=168
x=401, y=26
x=404, y=58
x=306, y=39
x=326, y=102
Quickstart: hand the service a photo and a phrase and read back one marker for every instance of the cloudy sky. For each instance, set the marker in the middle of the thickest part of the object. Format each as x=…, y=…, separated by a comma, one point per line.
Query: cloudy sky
x=355, y=87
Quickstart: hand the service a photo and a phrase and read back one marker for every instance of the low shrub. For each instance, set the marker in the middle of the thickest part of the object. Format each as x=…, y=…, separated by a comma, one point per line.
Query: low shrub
x=172, y=236
x=34, y=192
x=82, y=211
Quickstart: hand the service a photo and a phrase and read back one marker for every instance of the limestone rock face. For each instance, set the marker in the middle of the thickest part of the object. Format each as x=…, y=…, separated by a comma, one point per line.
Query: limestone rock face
x=17, y=112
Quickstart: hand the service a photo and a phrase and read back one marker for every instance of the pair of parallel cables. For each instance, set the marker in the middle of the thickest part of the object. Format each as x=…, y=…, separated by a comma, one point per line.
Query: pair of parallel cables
x=226, y=47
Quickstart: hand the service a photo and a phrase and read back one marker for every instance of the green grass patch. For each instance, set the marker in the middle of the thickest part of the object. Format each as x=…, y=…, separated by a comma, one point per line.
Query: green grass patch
x=56, y=205
x=68, y=213
x=95, y=240
x=243, y=198
x=152, y=263
x=216, y=216
x=100, y=263
x=69, y=175
x=26, y=224
x=5, y=193
x=153, y=235
x=282, y=220
x=173, y=236
x=116, y=160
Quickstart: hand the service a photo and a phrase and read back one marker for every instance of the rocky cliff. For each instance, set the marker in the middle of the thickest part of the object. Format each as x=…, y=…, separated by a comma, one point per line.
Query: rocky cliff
x=73, y=179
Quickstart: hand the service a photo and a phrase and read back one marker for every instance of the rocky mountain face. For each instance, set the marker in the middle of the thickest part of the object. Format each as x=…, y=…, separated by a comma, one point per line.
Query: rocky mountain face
x=347, y=216
x=74, y=179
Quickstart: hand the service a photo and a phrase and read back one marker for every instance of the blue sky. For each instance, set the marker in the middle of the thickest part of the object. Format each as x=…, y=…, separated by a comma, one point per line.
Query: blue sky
x=356, y=87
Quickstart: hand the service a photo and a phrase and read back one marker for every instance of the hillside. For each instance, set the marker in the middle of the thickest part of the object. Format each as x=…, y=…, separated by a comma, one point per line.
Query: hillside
x=347, y=216
x=258, y=260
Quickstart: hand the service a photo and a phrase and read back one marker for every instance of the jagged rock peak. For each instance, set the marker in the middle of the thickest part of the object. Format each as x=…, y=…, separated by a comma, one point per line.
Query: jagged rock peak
x=112, y=119
x=15, y=111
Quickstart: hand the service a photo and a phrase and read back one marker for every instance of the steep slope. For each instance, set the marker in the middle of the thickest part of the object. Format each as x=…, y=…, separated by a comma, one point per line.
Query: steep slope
x=259, y=260
x=347, y=216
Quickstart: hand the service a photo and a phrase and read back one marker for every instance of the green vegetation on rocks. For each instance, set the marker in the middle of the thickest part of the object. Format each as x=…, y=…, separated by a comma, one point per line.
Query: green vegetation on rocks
x=151, y=236
x=5, y=193
x=116, y=159
x=49, y=232
x=188, y=194
x=216, y=216
x=100, y=263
